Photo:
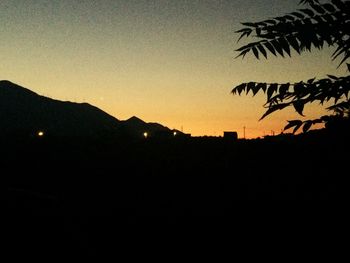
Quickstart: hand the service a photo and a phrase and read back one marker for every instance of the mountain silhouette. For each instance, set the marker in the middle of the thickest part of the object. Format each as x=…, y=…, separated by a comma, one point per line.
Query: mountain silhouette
x=136, y=127
x=24, y=112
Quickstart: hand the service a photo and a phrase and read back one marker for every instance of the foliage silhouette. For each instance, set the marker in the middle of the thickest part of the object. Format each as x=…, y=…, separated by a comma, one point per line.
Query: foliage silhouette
x=317, y=25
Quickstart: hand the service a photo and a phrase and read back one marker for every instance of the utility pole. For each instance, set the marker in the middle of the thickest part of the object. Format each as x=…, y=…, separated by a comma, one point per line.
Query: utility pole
x=244, y=132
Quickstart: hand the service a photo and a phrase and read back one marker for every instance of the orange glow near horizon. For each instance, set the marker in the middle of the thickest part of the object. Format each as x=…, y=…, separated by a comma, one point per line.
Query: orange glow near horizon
x=170, y=62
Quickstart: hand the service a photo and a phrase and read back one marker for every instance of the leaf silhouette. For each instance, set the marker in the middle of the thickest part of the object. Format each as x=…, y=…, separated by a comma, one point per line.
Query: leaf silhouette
x=270, y=48
x=294, y=43
x=284, y=44
x=309, y=12
x=277, y=47
x=250, y=86
x=256, y=52
x=318, y=9
x=262, y=50
x=258, y=87
x=307, y=126
x=298, y=15
x=332, y=77
x=272, y=89
x=310, y=2
x=271, y=21
x=239, y=88
x=292, y=124
x=283, y=89
x=296, y=128
x=248, y=24
x=273, y=109
x=310, y=81
x=299, y=107
x=330, y=8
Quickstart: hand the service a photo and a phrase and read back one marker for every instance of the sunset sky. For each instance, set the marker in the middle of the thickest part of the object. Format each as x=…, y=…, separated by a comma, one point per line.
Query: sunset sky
x=166, y=61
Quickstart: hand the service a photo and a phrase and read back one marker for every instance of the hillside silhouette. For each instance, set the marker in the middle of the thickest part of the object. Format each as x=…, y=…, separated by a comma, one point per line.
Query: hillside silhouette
x=25, y=113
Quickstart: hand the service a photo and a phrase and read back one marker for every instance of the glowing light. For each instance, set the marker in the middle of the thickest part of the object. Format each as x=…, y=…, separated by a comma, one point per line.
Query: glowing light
x=145, y=134
x=40, y=133
x=175, y=133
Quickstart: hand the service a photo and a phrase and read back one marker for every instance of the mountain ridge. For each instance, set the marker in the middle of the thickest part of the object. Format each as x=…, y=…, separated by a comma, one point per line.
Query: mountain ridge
x=25, y=112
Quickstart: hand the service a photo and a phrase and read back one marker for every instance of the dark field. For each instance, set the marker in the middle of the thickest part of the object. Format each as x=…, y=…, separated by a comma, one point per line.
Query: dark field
x=152, y=184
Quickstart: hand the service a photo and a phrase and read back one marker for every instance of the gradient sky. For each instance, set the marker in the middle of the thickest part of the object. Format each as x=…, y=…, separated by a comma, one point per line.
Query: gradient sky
x=166, y=61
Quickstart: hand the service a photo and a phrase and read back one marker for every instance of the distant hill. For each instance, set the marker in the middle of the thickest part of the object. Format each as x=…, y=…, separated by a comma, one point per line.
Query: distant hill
x=24, y=112
x=137, y=128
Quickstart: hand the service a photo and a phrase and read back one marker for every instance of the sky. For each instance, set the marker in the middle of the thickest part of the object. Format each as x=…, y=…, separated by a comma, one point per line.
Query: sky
x=165, y=61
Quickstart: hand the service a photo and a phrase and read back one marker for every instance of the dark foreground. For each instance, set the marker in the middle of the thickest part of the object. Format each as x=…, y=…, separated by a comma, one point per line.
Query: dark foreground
x=152, y=184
